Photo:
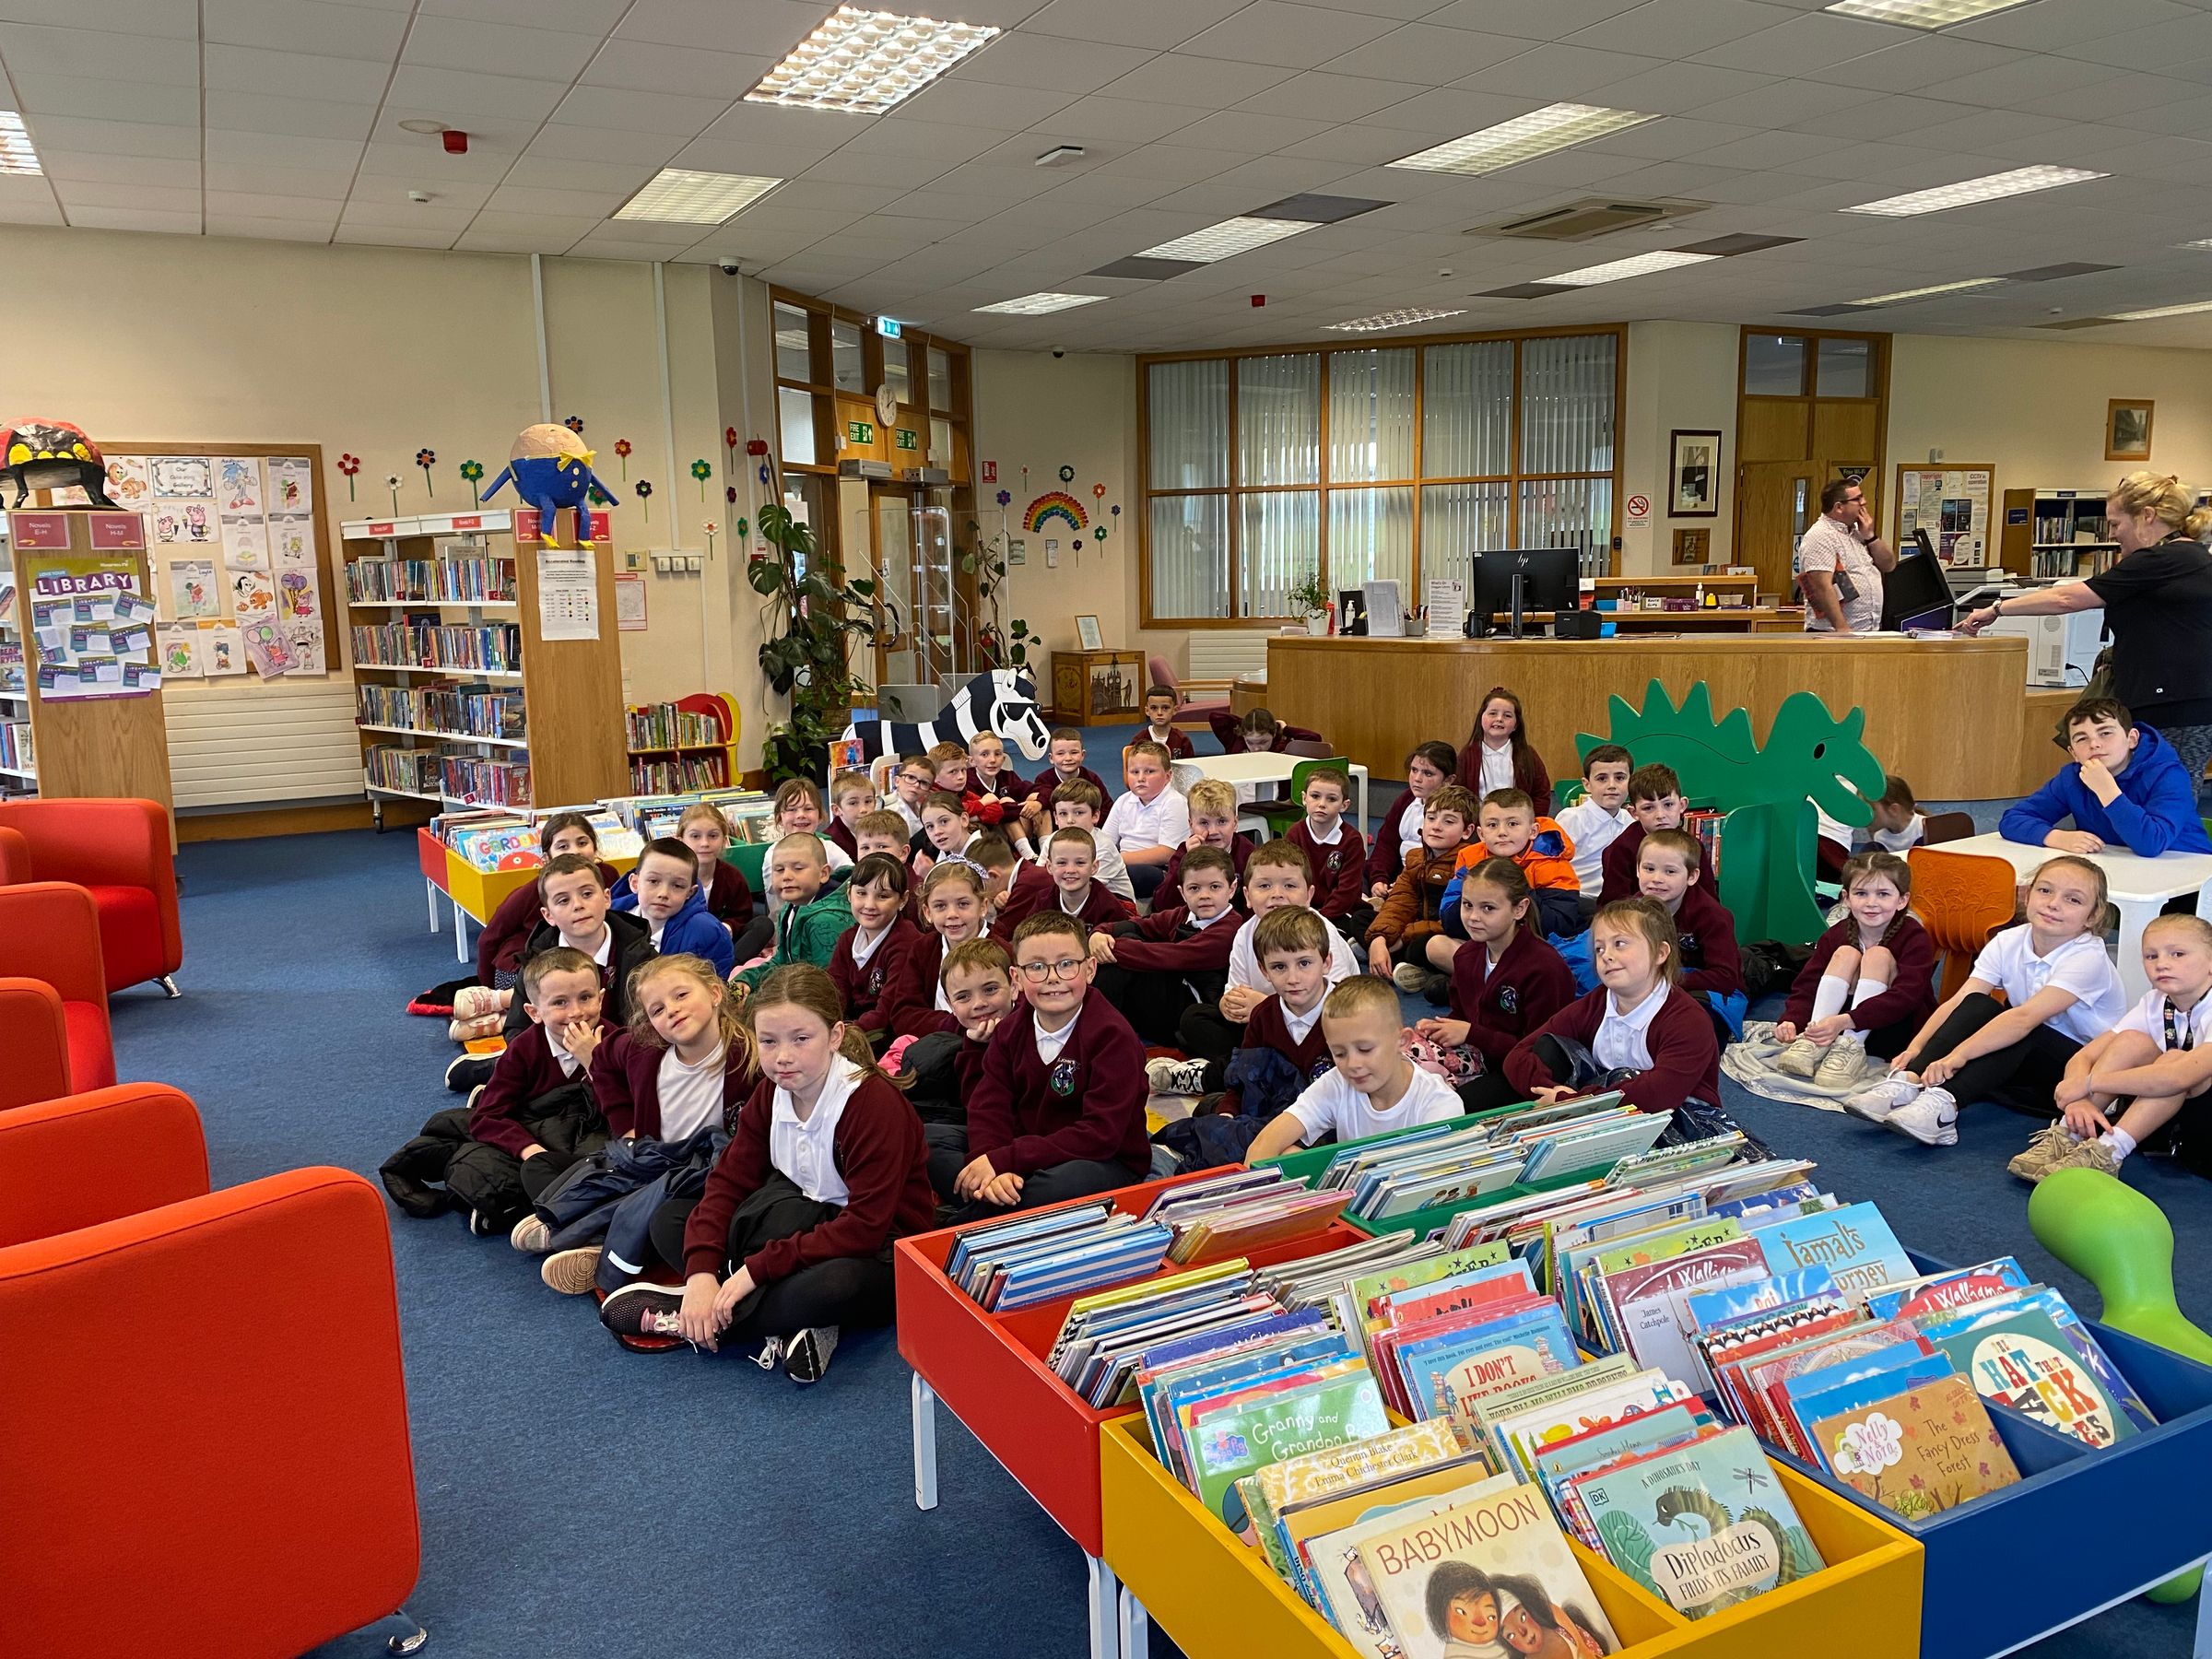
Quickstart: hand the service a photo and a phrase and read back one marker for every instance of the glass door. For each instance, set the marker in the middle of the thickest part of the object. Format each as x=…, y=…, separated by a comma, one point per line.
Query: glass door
x=934, y=634
x=896, y=617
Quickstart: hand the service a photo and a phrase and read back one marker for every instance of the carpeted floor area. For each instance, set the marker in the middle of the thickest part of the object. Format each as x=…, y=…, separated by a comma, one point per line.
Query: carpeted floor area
x=578, y=1499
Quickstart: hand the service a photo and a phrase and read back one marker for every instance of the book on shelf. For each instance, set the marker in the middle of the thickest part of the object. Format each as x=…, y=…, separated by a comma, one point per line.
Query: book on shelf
x=461, y=578
x=677, y=775
x=407, y=770
x=441, y=711
x=486, y=779
x=495, y=647
x=666, y=726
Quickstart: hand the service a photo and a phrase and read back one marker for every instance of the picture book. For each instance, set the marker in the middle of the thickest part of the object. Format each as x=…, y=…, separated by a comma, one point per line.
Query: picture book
x=1556, y=1465
x=1310, y=1476
x=1953, y=1290
x=1521, y=1436
x=1240, y=1439
x=1489, y=1575
x=1446, y=1374
x=2077, y=1334
x=1336, y=1581
x=1170, y=1397
x=1920, y=1453
x=1664, y=1246
x=1853, y=1243
x=1842, y=1388
x=2025, y=1362
x=1371, y=1292
x=1645, y=1310
x=1711, y=1308
x=1703, y=1527
x=1550, y=1390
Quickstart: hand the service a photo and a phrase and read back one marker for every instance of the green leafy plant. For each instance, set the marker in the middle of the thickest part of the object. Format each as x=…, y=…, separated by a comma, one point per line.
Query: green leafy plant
x=1309, y=598
x=809, y=627
x=1000, y=643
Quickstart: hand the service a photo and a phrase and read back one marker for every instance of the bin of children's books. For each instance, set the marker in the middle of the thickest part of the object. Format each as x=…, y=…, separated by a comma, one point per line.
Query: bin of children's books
x=748, y=859
x=1216, y=1597
x=990, y=1369
x=2093, y=1526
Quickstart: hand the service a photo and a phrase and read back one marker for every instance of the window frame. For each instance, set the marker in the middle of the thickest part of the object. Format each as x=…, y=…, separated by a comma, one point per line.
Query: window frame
x=1325, y=487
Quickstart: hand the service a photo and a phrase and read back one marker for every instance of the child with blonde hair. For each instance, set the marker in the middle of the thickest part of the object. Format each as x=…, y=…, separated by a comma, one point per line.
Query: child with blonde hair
x=1213, y=808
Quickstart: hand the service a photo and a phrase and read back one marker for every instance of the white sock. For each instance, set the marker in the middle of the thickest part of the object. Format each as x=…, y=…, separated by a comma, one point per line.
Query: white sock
x=1830, y=998
x=2118, y=1142
x=1868, y=989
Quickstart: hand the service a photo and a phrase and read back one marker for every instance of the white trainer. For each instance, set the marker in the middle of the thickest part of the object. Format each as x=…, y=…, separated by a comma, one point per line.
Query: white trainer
x=1877, y=1100
x=1932, y=1118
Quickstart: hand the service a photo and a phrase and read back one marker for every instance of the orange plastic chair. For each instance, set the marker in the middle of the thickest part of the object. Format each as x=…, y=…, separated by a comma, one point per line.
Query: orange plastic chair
x=48, y=930
x=118, y=850
x=1960, y=899
x=203, y=1417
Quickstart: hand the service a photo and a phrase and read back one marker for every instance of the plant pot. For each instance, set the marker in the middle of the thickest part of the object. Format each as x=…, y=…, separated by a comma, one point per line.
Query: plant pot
x=1318, y=624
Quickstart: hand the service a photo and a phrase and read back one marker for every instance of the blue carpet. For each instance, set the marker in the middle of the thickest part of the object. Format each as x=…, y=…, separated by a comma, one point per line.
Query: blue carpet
x=577, y=1499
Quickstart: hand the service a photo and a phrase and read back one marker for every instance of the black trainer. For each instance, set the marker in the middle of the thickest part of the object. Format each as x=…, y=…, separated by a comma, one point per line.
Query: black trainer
x=643, y=1310
x=807, y=1355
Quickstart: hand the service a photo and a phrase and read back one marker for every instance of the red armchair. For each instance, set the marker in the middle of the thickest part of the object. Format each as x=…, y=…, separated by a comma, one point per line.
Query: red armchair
x=118, y=850
x=48, y=933
x=203, y=1419
x=34, y=1035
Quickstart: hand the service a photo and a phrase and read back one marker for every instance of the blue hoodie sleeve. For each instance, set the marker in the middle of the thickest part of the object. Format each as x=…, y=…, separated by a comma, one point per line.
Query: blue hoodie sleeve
x=704, y=935
x=2028, y=820
x=2157, y=823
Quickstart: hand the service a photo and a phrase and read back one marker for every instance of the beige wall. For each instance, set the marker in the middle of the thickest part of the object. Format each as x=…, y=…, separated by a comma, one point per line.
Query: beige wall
x=1681, y=377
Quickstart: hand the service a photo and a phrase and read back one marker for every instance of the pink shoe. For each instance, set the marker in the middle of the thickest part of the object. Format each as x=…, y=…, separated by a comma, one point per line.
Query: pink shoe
x=474, y=1002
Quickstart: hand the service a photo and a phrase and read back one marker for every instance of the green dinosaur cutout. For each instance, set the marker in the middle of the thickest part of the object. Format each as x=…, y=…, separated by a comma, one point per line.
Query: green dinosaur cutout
x=1810, y=759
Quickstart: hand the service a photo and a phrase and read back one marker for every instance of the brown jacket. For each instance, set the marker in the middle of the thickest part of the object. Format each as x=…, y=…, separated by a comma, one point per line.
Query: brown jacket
x=1415, y=908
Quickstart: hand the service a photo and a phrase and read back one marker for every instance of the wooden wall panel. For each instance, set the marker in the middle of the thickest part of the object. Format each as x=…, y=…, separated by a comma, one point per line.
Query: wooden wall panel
x=1772, y=429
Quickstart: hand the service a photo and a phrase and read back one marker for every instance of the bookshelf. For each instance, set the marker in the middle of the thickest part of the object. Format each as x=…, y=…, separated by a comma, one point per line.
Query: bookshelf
x=2056, y=533
x=676, y=748
x=460, y=697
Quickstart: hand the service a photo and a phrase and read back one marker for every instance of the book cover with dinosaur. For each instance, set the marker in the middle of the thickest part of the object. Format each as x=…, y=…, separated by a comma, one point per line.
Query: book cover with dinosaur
x=1920, y=1453
x=1703, y=1527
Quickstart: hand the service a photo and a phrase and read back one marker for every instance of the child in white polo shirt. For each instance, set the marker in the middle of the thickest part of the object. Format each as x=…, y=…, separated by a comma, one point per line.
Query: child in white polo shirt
x=1373, y=1087
x=1150, y=822
x=1602, y=813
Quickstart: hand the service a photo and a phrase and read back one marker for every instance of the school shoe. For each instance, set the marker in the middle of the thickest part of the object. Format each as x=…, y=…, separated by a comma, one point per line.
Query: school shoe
x=474, y=1002
x=1842, y=1066
x=469, y=1071
x=531, y=1235
x=468, y=1030
x=643, y=1310
x=1176, y=1077
x=1877, y=1100
x=807, y=1355
x=1931, y=1118
x=1801, y=1059
x=574, y=1272
x=2047, y=1150
x=771, y=1355
x=2085, y=1155
x=482, y=1224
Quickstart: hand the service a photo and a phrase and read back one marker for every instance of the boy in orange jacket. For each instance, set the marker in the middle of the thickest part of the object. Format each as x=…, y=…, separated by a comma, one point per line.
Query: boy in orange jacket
x=1510, y=826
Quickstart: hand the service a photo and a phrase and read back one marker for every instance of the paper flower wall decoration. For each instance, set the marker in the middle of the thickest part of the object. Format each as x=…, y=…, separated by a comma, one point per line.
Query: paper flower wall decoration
x=702, y=472
x=350, y=465
x=756, y=446
x=575, y=424
x=729, y=438
x=645, y=495
x=729, y=494
x=1097, y=491
x=426, y=459
x=764, y=475
x=391, y=483
x=1099, y=534
x=1067, y=475
x=471, y=472
x=741, y=527
x=1003, y=497
x=622, y=448
x=710, y=527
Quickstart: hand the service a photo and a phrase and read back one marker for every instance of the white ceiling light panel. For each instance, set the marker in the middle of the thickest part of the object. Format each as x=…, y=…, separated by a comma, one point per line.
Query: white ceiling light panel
x=1393, y=318
x=1540, y=132
x=1928, y=293
x=2021, y=181
x=863, y=63
x=1642, y=265
x=1231, y=236
x=677, y=195
x=16, y=156
x=1922, y=14
x=1038, y=305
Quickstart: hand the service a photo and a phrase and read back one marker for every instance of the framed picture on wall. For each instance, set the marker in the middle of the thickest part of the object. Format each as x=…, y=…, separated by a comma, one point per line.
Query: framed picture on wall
x=1693, y=475
x=1692, y=547
x=2127, y=429
x=1087, y=634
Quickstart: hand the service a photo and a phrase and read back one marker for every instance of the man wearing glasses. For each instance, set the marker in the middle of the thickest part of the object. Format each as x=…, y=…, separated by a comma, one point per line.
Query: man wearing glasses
x=1840, y=564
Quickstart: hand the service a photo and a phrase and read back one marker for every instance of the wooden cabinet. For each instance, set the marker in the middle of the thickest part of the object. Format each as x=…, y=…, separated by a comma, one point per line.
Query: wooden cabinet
x=1098, y=687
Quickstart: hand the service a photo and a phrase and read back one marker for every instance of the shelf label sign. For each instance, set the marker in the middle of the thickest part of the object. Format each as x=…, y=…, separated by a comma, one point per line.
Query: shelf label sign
x=39, y=531
x=115, y=531
x=860, y=432
x=905, y=439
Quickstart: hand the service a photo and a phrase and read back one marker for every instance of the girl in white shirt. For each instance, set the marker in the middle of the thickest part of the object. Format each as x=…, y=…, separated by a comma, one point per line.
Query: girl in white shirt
x=2060, y=992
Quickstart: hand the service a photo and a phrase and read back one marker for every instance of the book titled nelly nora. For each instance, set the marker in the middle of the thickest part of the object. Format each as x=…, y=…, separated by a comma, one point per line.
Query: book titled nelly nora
x=1492, y=1576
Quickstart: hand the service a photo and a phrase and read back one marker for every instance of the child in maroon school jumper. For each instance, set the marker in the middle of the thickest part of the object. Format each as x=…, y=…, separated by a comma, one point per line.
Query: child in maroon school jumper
x=1294, y=956
x=1506, y=982
x=1656, y=799
x=500, y=945
x=1869, y=984
x=1162, y=705
x=1059, y=1109
x=953, y=911
x=870, y=949
x=1713, y=966
x=1067, y=882
x=1155, y=966
x=1336, y=851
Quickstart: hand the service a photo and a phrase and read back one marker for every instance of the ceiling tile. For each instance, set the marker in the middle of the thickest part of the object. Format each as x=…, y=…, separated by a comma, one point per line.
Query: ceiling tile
x=562, y=142
x=34, y=49
x=601, y=245
x=107, y=99
x=575, y=16
x=1356, y=143
x=384, y=192
x=759, y=28
x=543, y=227
x=1531, y=19
x=1009, y=109
x=1557, y=71
x=500, y=48
x=433, y=219
x=307, y=183
x=1325, y=97
x=300, y=117
x=1681, y=90
x=647, y=66
x=170, y=20
x=636, y=111
x=258, y=228
x=1251, y=134
x=1298, y=37
x=1120, y=119
x=1805, y=44
x=1676, y=29
x=852, y=167
x=1445, y=112
x=1033, y=59
x=294, y=75
x=135, y=219
x=715, y=155
x=1426, y=56
x=75, y=192
x=468, y=95
x=115, y=138
x=481, y=168
x=558, y=173
x=260, y=205
x=174, y=171
x=551, y=202
x=332, y=31
x=2051, y=28
x=380, y=236
x=898, y=136
x=1205, y=83
x=1930, y=61
x=1158, y=24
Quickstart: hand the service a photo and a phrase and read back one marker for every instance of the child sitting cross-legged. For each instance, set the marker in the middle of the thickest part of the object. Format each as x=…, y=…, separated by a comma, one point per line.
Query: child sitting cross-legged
x=1868, y=985
x=978, y=978
x=868, y=952
x=1336, y=851
x=1371, y=1087
x=1068, y=880
x=1428, y=769
x=790, y=1243
x=1595, y=820
x=1147, y=824
x=1668, y=873
x=994, y=792
x=852, y=797
x=1213, y=824
x=2156, y=1060
x=1082, y=806
x=1656, y=799
x=663, y=893
x=1057, y=1109
x=1506, y=982
x=812, y=911
x=2060, y=992
x=1507, y=826
x=911, y=784
x=953, y=911
x=1398, y=940
x=1638, y=1031
x=1154, y=967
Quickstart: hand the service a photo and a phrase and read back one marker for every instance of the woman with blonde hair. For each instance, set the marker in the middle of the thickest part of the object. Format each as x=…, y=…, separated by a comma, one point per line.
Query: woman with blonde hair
x=2156, y=600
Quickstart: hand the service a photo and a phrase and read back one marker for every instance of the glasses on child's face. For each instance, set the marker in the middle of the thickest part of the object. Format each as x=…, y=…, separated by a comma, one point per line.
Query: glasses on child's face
x=1037, y=972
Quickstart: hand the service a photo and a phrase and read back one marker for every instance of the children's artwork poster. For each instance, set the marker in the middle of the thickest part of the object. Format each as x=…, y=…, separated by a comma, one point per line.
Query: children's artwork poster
x=251, y=594
x=180, y=650
x=296, y=595
x=130, y=481
x=266, y=648
x=292, y=541
x=193, y=593
x=292, y=485
x=237, y=483
x=181, y=475
x=91, y=626
x=305, y=633
x=221, y=650
x=182, y=523
x=245, y=542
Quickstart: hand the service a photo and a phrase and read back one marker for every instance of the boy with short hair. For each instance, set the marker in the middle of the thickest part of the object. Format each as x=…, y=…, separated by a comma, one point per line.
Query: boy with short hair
x=1668, y=873
x=573, y=898
x=1161, y=706
x=911, y=785
x=815, y=913
x=1057, y=1111
x=1213, y=824
x=1656, y=799
x=1336, y=851
x=1146, y=825
x=1510, y=826
x=1154, y=968
x=977, y=978
x=1595, y=820
x=852, y=797
x=990, y=852
x=948, y=763
x=882, y=831
x=2125, y=788
x=1067, y=879
x=1081, y=805
x=1412, y=913
x=994, y=792
x=1065, y=751
x=665, y=894
x=1372, y=1088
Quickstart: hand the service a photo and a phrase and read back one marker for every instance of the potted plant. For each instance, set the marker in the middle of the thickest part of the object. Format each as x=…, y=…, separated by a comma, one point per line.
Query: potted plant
x=1311, y=600
x=999, y=645
x=808, y=628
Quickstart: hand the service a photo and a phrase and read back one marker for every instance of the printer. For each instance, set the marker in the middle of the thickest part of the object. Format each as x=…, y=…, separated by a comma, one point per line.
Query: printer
x=2061, y=651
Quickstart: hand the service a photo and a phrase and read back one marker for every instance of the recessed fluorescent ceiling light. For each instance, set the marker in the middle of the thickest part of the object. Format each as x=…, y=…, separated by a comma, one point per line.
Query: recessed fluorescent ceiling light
x=16, y=154
x=1394, y=319
x=1036, y=305
x=865, y=61
x=2159, y=311
x=2206, y=243
x=1643, y=264
x=1921, y=14
x=680, y=197
x=1230, y=236
x=2021, y=181
x=1525, y=137
x=1924, y=293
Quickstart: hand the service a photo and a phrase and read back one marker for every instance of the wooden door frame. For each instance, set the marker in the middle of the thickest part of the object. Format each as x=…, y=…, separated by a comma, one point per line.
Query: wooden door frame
x=1878, y=394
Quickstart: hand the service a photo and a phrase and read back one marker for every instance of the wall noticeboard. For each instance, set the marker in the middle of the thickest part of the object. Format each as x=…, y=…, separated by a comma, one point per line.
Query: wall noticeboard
x=1952, y=504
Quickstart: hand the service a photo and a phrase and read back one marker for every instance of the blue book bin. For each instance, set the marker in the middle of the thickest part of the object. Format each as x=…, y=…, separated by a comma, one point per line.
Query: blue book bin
x=2083, y=1531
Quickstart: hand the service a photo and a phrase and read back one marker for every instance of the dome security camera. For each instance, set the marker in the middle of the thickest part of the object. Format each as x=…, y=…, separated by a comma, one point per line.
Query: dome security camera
x=1059, y=351
x=729, y=267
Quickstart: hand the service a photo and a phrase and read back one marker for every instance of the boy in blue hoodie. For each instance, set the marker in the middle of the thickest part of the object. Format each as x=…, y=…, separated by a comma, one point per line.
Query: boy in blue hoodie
x=2128, y=788
x=663, y=892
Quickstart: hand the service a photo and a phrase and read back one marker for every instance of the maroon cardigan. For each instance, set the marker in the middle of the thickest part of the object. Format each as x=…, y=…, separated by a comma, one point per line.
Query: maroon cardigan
x=1171, y=875
x=842, y=834
x=1910, y=997
x=1618, y=865
x=861, y=989
x=1042, y=785
x=1177, y=743
x=1529, y=775
x=908, y=1005
x=1267, y=1029
x=1102, y=906
x=508, y=927
x=1338, y=870
x=1158, y=944
x=1025, y=1116
x=1711, y=960
x=1384, y=859
x=526, y=1071
x=880, y=1156
x=1503, y=1004
x=1685, y=1054
x=626, y=1081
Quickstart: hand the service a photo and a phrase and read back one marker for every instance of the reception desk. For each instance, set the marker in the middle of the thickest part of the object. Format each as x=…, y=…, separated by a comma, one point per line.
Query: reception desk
x=1949, y=716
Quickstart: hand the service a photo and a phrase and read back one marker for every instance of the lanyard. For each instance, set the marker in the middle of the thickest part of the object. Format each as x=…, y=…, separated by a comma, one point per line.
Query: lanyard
x=2186, y=1040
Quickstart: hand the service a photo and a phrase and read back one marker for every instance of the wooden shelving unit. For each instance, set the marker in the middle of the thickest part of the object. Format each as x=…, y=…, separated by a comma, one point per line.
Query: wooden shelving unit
x=661, y=767
x=539, y=722
x=2056, y=533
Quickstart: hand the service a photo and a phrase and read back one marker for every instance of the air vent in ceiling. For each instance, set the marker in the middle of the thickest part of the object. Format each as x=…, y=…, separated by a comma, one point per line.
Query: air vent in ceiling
x=1580, y=221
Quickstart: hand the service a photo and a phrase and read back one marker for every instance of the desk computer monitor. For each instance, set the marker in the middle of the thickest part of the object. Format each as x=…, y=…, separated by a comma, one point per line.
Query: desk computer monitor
x=1551, y=579
x=1917, y=593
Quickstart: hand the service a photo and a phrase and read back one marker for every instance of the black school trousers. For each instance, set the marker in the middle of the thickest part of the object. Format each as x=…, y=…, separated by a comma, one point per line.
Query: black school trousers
x=2023, y=1077
x=1153, y=1002
x=1206, y=1033
x=845, y=1291
x=1077, y=1178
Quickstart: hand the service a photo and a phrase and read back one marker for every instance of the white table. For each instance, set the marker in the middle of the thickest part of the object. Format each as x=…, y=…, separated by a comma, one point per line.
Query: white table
x=2138, y=888
x=1264, y=766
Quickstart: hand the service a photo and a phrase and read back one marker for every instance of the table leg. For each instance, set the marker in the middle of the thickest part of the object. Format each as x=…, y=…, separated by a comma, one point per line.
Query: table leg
x=2202, y=1647
x=1359, y=777
x=1137, y=1627
x=431, y=888
x=925, y=1444
x=1105, y=1609
x=2134, y=916
x=460, y=934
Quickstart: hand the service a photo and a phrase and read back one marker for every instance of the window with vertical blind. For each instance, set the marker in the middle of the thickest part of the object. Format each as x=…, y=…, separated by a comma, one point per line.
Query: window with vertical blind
x=1361, y=461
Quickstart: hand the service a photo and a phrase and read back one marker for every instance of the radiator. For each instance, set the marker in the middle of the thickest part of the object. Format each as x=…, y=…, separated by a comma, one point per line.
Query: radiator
x=1228, y=653
x=236, y=742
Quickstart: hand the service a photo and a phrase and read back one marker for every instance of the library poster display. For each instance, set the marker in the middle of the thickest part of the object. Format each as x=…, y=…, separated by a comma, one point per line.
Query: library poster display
x=1951, y=503
x=92, y=624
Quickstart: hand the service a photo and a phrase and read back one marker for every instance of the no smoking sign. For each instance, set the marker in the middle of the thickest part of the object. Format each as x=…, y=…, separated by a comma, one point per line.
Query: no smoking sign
x=1639, y=510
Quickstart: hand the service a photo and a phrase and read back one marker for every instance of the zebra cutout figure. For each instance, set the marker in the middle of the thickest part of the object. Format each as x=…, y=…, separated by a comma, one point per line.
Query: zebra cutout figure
x=1002, y=700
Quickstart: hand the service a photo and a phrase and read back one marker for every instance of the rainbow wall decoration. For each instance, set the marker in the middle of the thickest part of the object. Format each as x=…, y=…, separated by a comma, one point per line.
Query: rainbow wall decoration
x=1059, y=504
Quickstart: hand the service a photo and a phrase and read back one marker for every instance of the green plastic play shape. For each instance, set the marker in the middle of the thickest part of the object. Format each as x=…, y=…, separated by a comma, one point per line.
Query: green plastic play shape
x=1810, y=759
x=2120, y=1242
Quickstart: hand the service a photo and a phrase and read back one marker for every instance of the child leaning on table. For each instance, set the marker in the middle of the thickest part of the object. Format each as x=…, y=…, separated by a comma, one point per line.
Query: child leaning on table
x=2127, y=788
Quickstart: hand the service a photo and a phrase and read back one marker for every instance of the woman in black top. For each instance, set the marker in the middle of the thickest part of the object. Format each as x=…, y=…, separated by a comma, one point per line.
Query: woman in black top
x=2158, y=604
